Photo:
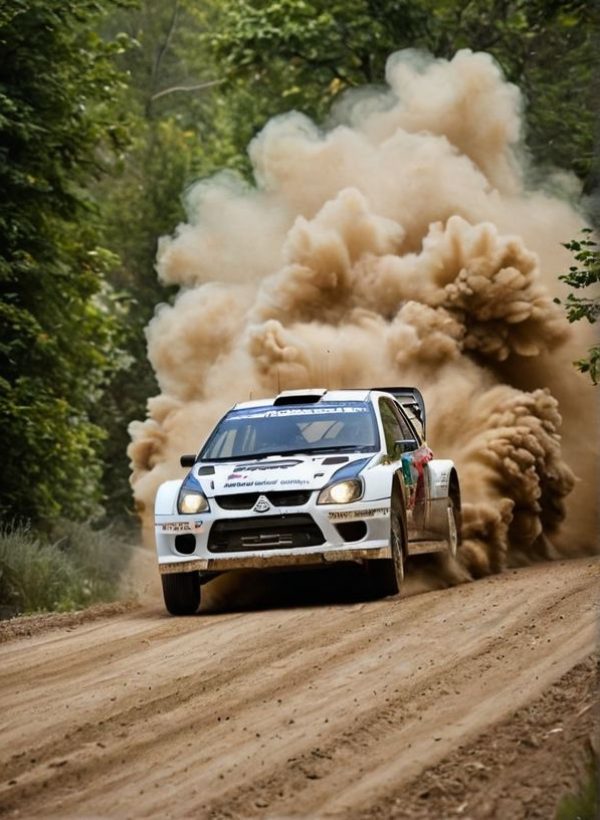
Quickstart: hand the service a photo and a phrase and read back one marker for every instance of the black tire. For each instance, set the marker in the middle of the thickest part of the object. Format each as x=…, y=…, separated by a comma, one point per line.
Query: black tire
x=181, y=591
x=387, y=574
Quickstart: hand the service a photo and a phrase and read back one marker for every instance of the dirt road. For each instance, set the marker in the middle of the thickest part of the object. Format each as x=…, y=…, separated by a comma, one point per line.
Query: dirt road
x=317, y=711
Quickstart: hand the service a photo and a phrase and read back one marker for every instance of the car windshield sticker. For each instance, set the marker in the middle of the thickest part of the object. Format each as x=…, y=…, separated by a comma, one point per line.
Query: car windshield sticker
x=280, y=412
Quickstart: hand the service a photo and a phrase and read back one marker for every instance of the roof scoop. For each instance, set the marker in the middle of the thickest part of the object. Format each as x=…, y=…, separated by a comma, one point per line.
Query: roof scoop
x=299, y=397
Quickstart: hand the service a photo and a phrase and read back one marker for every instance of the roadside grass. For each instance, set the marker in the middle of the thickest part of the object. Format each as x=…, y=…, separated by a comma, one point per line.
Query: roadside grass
x=72, y=567
x=585, y=804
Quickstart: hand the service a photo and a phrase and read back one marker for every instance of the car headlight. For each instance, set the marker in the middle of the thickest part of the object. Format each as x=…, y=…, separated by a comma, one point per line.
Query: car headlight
x=343, y=492
x=191, y=502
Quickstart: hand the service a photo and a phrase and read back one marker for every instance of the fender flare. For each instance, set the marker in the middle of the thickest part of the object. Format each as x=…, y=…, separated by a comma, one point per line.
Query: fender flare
x=165, y=502
x=442, y=476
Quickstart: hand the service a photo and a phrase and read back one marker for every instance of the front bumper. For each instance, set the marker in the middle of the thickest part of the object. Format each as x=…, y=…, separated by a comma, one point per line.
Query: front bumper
x=333, y=548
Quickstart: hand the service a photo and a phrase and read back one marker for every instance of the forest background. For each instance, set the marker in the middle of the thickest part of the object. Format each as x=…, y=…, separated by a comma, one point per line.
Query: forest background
x=110, y=109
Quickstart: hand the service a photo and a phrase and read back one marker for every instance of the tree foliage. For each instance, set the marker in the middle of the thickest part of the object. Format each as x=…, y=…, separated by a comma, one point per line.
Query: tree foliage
x=169, y=100
x=59, y=337
x=302, y=53
x=582, y=276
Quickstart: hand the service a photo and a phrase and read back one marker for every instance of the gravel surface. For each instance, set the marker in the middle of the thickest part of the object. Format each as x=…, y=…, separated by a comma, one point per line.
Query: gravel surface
x=337, y=709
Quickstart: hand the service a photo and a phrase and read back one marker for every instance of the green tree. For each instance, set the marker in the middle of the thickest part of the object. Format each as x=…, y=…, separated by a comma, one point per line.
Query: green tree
x=583, y=275
x=302, y=53
x=170, y=100
x=549, y=48
x=59, y=318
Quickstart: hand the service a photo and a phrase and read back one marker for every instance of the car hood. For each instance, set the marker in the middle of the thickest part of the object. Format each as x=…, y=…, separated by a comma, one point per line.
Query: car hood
x=297, y=472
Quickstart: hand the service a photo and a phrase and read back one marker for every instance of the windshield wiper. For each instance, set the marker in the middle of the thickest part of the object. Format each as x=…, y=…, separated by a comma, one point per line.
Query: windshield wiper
x=335, y=448
x=308, y=451
x=258, y=456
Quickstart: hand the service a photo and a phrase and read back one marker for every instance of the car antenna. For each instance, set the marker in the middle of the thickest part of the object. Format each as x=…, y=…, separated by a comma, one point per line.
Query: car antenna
x=278, y=381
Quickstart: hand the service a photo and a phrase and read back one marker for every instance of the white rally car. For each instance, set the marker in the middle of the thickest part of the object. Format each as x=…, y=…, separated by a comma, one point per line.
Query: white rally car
x=311, y=477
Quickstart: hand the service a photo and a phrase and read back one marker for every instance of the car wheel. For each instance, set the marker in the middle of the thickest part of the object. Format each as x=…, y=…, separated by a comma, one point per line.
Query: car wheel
x=386, y=575
x=181, y=591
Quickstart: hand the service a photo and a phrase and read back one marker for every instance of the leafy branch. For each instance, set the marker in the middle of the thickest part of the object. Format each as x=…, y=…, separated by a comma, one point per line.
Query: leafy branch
x=584, y=274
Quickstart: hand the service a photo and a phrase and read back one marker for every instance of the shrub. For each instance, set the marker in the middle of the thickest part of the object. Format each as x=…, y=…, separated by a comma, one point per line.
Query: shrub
x=583, y=805
x=73, y=567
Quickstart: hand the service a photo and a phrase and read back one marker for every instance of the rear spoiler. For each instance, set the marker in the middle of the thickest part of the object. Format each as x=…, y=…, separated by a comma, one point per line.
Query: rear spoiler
x=410, y=398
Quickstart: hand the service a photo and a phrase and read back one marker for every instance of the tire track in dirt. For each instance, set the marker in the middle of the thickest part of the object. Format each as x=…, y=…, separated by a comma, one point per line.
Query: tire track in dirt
x=280, y=712
x=521, y=767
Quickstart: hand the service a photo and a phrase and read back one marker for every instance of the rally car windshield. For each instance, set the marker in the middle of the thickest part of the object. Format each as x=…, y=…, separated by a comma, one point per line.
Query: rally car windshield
x=324, y=428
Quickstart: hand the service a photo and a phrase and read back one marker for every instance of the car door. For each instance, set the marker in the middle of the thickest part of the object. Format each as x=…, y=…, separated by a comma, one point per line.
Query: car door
x=415, y=457
x=393, y=434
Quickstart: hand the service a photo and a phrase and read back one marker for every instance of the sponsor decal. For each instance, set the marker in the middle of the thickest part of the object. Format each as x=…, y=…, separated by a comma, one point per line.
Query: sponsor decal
x=269, y=465
x=264, y=483
x=176, y=526
x=413, y=467
x=182, y=526
x=314, y=411
x=296, y=482
x=373, y=512
x=279, y=412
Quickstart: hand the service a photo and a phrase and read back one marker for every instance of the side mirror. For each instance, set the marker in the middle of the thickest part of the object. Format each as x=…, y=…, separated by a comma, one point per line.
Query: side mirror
x=406, y=445
x=188, y=460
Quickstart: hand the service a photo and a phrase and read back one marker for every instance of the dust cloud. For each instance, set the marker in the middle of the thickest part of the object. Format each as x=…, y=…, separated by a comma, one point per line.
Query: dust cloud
x=401, y=244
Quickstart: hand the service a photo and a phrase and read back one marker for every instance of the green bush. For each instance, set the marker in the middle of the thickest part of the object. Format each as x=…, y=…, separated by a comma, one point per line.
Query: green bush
x=72, y=567
x=583, y=805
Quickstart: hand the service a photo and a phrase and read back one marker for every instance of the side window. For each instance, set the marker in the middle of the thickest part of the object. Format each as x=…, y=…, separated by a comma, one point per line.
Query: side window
x=407, y=431
x=391, y=427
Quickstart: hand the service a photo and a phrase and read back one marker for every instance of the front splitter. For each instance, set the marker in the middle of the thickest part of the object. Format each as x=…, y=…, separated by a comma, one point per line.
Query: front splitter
x=261, y=561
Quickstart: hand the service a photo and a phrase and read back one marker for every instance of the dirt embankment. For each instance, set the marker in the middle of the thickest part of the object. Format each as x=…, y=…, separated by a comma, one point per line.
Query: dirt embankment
x=390, y=708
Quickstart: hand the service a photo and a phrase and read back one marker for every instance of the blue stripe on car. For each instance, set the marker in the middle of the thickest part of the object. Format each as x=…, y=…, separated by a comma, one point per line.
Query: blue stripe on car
x=190, y=482
x=350, y=470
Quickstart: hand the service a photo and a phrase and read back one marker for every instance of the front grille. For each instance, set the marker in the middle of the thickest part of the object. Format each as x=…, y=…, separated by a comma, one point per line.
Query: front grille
x=288, y=498
x=271, y=532
x=279, y=498
x=238, y=501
